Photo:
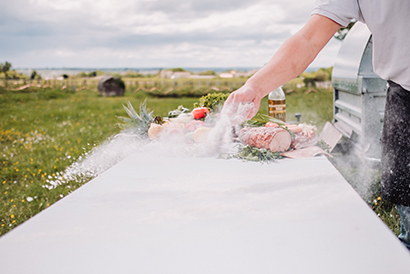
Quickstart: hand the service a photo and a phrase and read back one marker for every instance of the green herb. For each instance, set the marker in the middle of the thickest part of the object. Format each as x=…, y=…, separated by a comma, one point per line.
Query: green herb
x=212, y=101
x=323, y=145
x=261, y=119
x=254, y=154
x=177, y=112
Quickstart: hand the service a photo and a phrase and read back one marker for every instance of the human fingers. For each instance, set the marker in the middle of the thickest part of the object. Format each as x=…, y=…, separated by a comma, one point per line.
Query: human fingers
x=230, y=106
x=256, y=105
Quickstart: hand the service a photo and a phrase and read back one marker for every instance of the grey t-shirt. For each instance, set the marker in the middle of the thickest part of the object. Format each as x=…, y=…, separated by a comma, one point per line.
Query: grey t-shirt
x=389, y=23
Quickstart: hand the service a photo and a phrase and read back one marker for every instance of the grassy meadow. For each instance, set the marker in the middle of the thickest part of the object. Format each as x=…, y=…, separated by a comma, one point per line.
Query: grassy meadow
x=43, y=131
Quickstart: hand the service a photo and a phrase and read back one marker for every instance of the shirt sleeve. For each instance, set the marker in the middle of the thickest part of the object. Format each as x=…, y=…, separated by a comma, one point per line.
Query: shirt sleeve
x=340, y=11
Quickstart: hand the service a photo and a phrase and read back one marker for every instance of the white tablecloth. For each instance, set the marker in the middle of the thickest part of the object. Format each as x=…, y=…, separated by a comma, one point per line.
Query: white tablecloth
x=207, y=215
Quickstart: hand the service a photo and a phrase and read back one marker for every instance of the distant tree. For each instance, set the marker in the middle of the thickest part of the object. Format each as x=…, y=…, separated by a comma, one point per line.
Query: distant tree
x=342, y=32
x=99, y=73
x=65, y=76
x=321, y=75
x=92, y=74
x=208, y=72
x=176, y=69
x=309, y=82
x=134, y=75
x=33, y=75
x=5, y=69
x=328, y=70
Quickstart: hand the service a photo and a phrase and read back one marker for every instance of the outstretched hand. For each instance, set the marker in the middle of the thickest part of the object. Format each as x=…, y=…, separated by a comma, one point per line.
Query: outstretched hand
x=242, y=104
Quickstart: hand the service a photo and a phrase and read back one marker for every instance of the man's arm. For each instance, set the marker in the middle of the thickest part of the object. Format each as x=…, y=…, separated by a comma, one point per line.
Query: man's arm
x=295, y=55
x=292, y=58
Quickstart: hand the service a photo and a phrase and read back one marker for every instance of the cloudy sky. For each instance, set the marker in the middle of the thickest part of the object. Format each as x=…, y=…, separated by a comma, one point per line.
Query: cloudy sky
x=150, y=33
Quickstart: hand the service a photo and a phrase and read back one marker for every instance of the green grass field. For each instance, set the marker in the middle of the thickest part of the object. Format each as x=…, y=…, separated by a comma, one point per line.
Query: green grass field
x=43, y=131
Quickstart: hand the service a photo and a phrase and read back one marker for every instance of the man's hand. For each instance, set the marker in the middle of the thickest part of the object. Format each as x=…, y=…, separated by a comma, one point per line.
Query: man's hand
x=242, y=104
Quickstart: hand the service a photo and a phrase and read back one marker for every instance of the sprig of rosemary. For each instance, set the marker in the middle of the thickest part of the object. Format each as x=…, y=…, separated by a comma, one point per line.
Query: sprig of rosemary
x=261, y=119
x=254, y=154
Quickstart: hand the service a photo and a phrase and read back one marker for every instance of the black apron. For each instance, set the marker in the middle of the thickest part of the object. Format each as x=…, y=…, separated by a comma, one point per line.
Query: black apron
x=395, y=158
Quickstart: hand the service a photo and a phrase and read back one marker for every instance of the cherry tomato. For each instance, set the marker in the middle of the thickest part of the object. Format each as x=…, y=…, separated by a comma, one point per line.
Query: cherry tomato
x=200, y=112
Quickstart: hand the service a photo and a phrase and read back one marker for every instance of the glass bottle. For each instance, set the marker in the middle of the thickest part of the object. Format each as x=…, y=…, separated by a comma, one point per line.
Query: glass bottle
x=277, y=104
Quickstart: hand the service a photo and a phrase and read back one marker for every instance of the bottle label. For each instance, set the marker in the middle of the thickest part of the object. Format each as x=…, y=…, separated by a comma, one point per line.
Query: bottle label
x=277, y=109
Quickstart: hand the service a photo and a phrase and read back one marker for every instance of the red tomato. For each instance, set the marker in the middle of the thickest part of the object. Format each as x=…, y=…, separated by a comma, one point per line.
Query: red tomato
x=270, y=124
x=200, y=112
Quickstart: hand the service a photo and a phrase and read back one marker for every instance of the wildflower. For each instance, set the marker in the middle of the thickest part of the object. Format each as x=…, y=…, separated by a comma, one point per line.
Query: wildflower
x=13, y=221
x=4, y=182
x=12, y=216
x=29, y=199
x=11, y=200
x=22, y=201
x=379, y=198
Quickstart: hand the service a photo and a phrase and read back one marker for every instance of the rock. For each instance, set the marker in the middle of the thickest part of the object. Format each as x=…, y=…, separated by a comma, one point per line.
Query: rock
x=108, y=86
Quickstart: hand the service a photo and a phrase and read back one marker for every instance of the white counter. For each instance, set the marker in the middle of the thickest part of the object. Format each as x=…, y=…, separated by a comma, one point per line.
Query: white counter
x=207, y=215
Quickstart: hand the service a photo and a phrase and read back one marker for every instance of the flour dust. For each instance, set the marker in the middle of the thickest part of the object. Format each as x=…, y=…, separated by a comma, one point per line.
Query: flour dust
x=117, y=148
x=362, y=176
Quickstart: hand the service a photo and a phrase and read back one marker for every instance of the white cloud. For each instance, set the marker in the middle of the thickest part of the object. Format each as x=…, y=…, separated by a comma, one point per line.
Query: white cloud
x=138, y=33
x=57, y=4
